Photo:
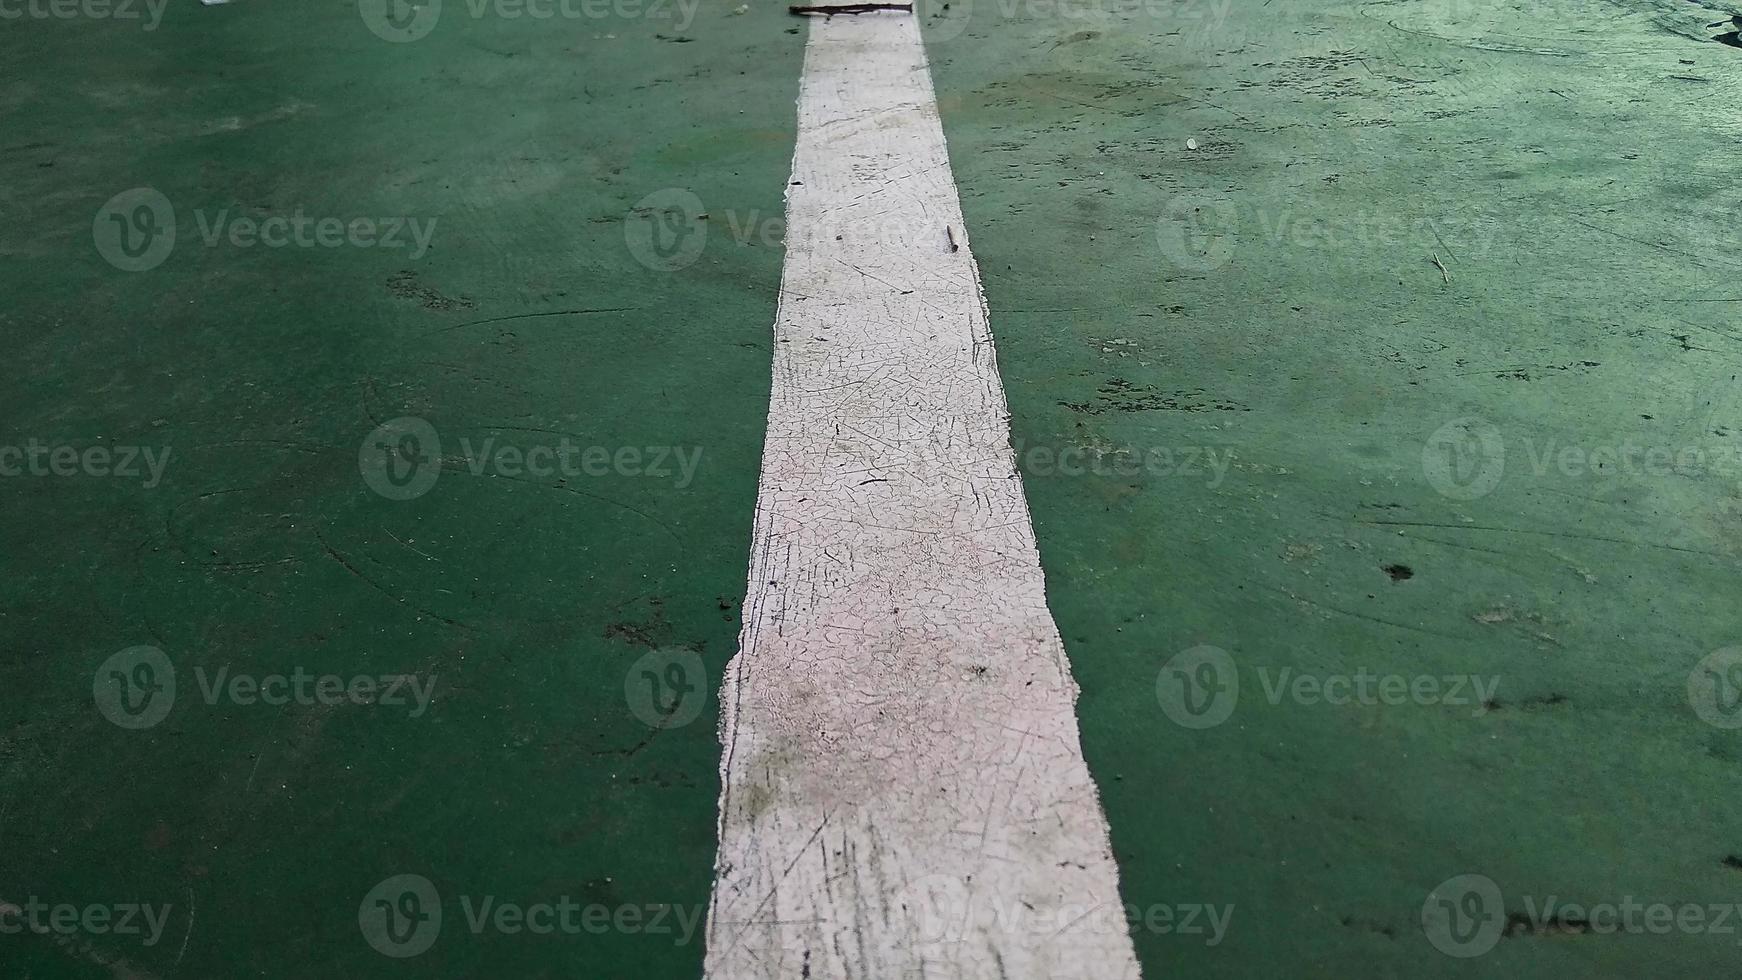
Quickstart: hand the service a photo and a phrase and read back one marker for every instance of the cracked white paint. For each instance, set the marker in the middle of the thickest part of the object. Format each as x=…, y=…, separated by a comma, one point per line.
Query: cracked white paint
x=903, y=790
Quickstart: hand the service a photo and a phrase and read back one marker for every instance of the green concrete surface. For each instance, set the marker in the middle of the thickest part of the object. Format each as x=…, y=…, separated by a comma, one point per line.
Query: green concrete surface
x=1265, y=298
x=1271, y=294
x=262, y=370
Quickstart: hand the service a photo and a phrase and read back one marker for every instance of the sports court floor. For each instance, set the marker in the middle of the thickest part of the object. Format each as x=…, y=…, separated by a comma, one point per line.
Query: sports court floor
x=1318, y=557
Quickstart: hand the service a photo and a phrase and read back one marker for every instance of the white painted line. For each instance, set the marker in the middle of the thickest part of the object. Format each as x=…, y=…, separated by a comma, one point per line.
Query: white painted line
x=903, y=795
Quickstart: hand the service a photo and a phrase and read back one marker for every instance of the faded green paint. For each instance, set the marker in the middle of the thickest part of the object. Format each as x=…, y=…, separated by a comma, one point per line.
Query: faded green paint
x=262, y=370
x=1586, y=200
x=1571, y=173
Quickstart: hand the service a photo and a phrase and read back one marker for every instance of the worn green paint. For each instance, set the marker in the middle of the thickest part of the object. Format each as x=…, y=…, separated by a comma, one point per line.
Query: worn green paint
x=1587, y=203
x=263, y=369
x=1582, y=201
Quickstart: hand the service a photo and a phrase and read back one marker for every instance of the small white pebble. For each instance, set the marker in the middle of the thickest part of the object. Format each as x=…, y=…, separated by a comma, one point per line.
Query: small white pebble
x=1191, y=144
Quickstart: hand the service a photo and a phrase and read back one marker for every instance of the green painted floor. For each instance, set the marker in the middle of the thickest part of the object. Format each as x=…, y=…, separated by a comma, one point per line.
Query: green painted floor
x=1271, y=296
x=262, y=371
x=1256, y=315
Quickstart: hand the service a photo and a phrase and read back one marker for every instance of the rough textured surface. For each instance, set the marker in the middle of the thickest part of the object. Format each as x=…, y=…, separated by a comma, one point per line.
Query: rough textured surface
x=1588, y=202
x=1578, y=159
x=903, y=795
x=529, y=778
